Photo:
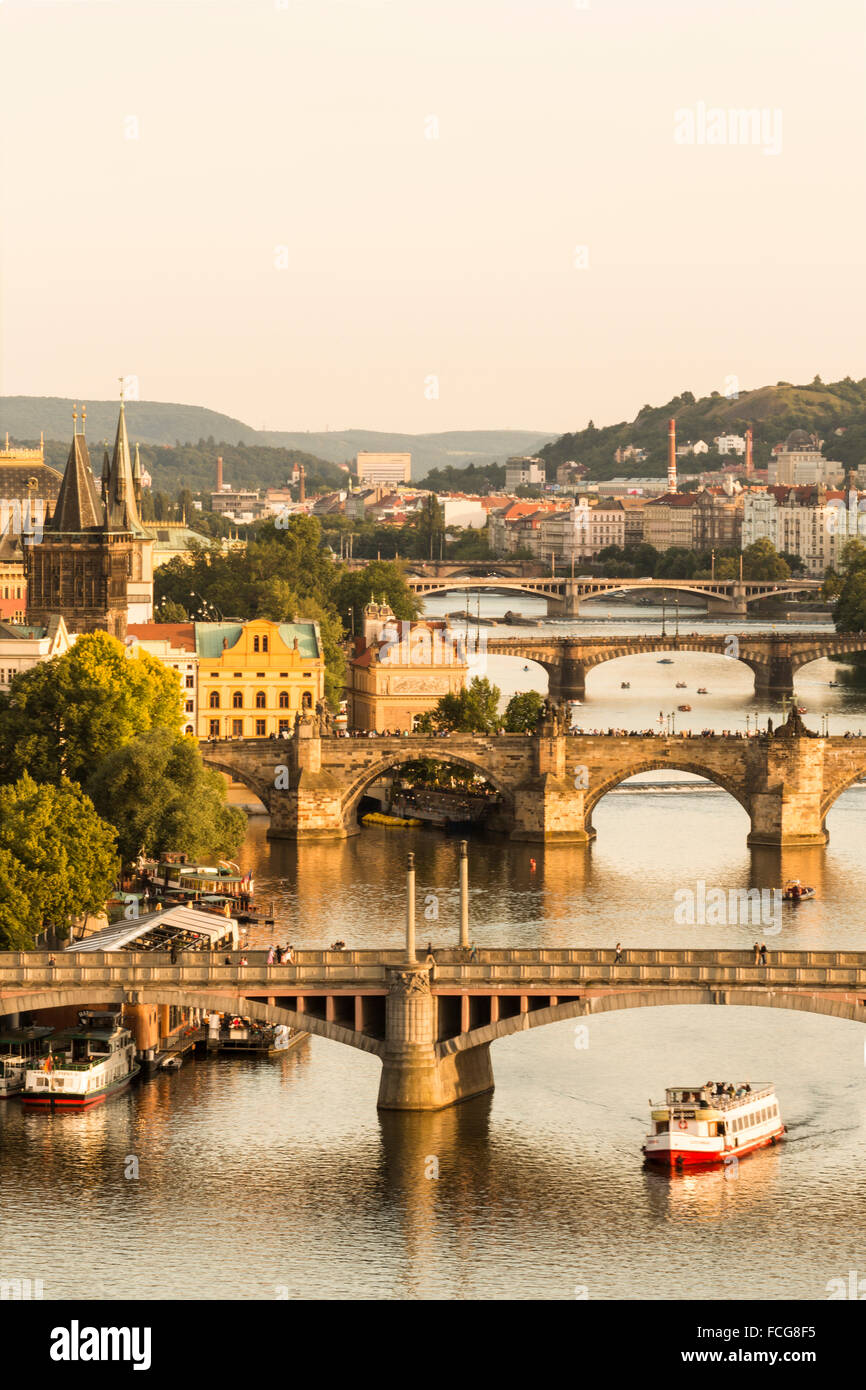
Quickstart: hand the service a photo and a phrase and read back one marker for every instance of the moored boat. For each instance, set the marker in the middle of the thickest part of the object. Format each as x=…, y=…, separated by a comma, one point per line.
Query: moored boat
x=19, y=1049
x=699, y=1126
x=85, y=1065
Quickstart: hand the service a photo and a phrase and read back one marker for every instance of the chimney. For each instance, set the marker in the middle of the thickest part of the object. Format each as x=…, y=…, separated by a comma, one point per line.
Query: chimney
x=219, y=486
x=672, y=455
x=302, y=494
x=749, y=450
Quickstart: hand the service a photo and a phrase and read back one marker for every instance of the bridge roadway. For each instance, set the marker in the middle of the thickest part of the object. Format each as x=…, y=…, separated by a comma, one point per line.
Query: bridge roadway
x=772, y=657
x=727, y=597
x=433, y=1036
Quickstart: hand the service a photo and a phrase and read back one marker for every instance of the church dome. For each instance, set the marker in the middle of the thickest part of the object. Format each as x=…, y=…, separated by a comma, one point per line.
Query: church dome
x=798, y=439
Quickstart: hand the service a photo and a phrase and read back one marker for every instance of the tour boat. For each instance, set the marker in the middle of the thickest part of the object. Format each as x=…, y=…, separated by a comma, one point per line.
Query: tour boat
x=698, y=1126
x=19, y=1047
x=175, y=875
x=797, y=892
x=85, y=1066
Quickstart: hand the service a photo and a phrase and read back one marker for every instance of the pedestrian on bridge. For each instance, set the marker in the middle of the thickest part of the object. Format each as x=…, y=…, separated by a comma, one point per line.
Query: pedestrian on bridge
x=763, y=954
x=617, y=953
x=757, y=951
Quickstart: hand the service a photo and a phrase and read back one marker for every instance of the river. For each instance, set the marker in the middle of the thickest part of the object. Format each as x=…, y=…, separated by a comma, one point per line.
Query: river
x=262, y=1179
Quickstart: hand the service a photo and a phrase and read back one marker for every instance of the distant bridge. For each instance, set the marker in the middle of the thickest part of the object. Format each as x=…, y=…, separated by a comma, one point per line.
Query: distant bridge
x=772, y=657
x=433, y=1035
x=727, y=597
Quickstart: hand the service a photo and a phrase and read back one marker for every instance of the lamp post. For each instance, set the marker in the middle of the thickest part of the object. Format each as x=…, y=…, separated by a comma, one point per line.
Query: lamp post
x=464, y=894
x=410, y=906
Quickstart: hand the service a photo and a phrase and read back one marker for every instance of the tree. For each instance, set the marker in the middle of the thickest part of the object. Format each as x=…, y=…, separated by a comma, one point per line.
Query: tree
x=170, y=612
x=158, y=794
x=761, y=561
x=473, y=710
x=523, y=712
x=64, y=716
x=64, y=855
x=380, y=580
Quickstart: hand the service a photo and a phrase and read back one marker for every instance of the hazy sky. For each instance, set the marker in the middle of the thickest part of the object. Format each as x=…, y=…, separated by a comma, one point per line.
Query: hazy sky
x=325, y=212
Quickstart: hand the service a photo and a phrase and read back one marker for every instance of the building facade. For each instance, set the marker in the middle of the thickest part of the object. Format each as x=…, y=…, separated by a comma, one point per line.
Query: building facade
x=372, y=467
x=22, y=647
x=401, y=670
x=174, y=645
x=254, y=678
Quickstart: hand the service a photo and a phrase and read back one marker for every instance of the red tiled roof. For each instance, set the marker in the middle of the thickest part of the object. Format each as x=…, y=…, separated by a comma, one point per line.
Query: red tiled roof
x=180, y=635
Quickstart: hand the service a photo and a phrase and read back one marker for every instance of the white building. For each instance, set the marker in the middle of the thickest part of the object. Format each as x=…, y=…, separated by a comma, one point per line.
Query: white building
x=524, y=472
x=730, y=443
x=392, y=469
x=581, y=532
x=464, y=511
x=174, y=645
x=800, y=462
x=22, y=647
x=810, y=522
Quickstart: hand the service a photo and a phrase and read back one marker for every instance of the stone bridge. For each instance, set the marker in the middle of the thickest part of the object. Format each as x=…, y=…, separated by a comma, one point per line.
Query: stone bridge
x=433, y=1035
x=549, y=782
x=727, y=597
x=772, y=657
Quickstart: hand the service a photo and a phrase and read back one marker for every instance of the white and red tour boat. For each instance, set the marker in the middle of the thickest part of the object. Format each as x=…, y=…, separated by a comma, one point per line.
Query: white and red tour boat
x=703, y=1125
x=85, y=1066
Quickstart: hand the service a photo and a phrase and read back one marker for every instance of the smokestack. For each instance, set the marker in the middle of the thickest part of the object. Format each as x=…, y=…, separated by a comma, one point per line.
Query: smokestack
x=749, y=449
x=672, y=455
x=302, y=494
x=219, y=487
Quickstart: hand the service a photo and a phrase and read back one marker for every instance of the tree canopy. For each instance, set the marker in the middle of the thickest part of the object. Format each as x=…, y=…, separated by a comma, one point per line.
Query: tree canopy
x=523, y=712
x=473, y=710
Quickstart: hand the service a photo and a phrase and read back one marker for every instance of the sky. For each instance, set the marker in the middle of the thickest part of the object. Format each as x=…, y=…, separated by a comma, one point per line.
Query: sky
x=429, y=215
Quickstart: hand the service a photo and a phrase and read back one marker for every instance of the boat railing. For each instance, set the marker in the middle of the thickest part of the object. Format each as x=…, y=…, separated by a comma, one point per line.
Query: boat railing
x=714, y=1102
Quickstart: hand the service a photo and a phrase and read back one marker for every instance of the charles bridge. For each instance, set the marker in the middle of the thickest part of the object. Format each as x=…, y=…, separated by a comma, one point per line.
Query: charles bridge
x=725, y=597
x=548, y=782
x=774, y=658
x=432, y=1031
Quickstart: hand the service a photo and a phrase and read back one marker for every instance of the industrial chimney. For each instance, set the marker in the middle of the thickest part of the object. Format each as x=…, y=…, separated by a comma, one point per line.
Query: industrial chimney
x=219, y=486
x=302, y=495
x=672, y=455
x=749, y=450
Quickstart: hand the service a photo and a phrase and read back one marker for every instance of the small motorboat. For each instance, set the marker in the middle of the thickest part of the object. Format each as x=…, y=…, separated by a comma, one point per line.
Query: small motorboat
x=833, y=685
x=702, y=690
x=684, y=709
x=801, y=709
x=625, y=685
x=665, y=661
x=796, y=892
x=681, y=685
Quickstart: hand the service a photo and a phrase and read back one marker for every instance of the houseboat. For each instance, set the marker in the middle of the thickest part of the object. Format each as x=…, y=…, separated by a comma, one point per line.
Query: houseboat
x=85, y=1066
x=174, y=875
x=19, y=1049
x=699, y=1126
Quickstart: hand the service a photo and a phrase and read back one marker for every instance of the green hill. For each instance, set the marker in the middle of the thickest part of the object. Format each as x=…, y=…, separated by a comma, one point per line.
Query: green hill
x=157, y=423
x=772, y=411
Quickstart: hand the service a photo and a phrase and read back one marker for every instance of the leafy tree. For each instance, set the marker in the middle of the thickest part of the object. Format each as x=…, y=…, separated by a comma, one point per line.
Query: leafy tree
x=523, y=712
x=381, y=579
x=61, y=718
x=170, y=612
x=158, y=793
x=66, y=855
x=762, y=561
x=473, y=710
x=18, y=921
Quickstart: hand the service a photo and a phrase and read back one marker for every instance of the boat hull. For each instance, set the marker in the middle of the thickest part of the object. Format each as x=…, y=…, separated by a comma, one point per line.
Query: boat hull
x=51, y=1100
x=673, y=1157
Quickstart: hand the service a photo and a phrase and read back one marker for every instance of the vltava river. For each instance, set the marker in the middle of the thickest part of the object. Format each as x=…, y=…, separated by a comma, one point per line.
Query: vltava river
x=265, y=1178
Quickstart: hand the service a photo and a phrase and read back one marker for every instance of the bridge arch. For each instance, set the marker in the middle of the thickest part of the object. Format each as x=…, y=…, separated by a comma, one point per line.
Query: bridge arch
x=655, y=996
x=649, y=764
x=844, y=783
x=396, y=759
x=237, y=773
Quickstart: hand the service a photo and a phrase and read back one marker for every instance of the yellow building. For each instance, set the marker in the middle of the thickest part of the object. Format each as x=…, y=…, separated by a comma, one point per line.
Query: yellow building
x=401, y=670
x=255, y=677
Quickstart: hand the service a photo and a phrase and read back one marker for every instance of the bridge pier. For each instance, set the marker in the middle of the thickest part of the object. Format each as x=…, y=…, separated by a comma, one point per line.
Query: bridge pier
x=774, y=677
x=414, y=1075
x=789, y=810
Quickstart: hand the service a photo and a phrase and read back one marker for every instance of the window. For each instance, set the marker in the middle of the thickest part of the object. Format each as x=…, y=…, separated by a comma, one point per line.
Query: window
x=306, y=700
x=188, y=707
x=255, y=644
x=214, y=675
x=238, y=700
x=284, y=699
x=261, y=702
x=264, y=644
x=284, y=675
x=188, y=729
x=284, y=726
x=238, y=728
x=214, y=700
x=214, y=728
x=260, y=728
x=190, y=682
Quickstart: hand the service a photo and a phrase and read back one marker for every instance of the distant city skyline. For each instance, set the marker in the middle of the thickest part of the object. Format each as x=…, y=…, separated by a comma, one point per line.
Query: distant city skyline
x=370, y=215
